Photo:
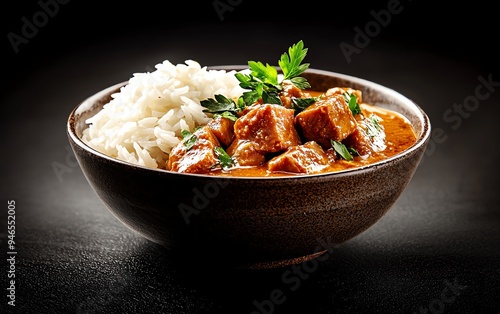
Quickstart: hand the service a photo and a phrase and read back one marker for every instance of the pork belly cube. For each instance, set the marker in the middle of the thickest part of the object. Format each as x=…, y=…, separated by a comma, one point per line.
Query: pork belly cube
x=200, y=158
x=329, y=118
x=270, y=126
x=223, y=129
x=343, y=90
x=307, y=158
x=245, y=153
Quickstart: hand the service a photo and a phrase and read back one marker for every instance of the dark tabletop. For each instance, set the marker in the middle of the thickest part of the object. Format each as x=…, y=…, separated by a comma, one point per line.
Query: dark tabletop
x=436, y=251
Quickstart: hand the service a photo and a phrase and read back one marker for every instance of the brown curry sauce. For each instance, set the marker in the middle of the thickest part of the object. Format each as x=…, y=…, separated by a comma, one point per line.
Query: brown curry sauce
x=398, y=132
x=399, y=137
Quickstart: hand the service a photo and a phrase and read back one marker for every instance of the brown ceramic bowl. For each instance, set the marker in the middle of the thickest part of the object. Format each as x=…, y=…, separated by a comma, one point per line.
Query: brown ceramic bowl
x=252, y=222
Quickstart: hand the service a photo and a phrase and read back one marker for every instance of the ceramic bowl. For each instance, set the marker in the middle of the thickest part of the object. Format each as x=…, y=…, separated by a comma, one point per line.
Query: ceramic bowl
x=252, y=222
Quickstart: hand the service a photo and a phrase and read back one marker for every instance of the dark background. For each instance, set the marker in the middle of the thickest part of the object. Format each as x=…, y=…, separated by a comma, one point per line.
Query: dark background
x=75, y=257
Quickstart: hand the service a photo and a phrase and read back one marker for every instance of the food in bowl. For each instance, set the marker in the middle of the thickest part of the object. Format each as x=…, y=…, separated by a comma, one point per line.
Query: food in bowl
x=121, y=136
x=260, y=121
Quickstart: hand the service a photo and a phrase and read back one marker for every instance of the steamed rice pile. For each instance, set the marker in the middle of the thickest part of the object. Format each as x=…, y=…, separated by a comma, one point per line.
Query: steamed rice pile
x=144, y=120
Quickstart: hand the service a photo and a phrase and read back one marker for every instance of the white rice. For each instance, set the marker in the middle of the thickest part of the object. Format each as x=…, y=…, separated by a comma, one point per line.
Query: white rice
x=144, y=120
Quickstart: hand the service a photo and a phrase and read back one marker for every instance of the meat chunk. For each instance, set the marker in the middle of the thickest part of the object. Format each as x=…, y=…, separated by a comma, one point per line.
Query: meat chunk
x=245, y=153
x=329, y=118
x=200, y=158
x=343, y=90
x=223, y=129
x=290, y=91
x=360, y=142
x=269, y=126
x=307, y=158
x=368, y=138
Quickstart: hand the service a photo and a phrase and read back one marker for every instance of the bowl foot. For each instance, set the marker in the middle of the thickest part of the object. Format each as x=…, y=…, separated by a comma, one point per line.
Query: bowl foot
x=282, y=263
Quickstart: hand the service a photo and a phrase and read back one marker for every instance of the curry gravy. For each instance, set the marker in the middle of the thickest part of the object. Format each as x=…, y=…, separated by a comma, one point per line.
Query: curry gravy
x=399, y=136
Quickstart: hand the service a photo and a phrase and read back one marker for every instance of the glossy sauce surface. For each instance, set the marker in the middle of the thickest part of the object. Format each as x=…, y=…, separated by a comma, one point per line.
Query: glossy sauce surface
x=399, y=136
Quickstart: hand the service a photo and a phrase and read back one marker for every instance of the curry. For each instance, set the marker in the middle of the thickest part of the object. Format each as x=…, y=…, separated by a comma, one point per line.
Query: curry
x=282, y=127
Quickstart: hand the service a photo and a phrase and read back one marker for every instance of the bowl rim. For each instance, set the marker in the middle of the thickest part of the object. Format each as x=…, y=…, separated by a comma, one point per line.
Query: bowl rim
x=421, y=140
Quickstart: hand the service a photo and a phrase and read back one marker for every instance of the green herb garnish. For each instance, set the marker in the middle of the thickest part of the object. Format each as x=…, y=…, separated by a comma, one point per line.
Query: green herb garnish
x=341, y=150
x=265, y=74
x=300, y=82
x=299, y=104
x=225, y=161
x=263, y=82
x=353, y=151
x=291, y=64
x=221, y=105
x=353, y=103
x=227, y=115
x=189, y=139
x=373, y=128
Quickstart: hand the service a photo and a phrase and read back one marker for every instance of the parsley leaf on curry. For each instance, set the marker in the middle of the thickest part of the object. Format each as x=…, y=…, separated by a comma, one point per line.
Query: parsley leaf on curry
x=373, y=128
x=189, y=139
x=300, y=104
x=291, y=64
x=353, y=103
x=264, y=83
x=342, y=150
x=221, y=105
x=225, y=161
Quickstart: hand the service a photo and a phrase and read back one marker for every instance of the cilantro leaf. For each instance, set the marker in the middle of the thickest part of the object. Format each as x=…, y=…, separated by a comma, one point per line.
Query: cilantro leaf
x=251, y=97
x=189, y=139
x=247, y=81
x=299, y=104
x=300, y=82
x=341, y=150
x=255, y=88
x=225, y=161
x=290, y=63
x=263, y=82
x=373, y=128
x=353, y=103
x=219, y=105
x=353, y=151
x=265, y=73
x=228, y=115
x=271, y=98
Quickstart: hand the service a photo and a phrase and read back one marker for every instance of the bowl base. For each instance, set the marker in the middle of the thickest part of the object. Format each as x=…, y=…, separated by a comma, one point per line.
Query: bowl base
x=281, y=263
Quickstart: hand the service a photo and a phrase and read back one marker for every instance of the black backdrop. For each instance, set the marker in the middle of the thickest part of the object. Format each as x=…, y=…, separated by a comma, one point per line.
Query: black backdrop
x=464, y=31
x=441, y=236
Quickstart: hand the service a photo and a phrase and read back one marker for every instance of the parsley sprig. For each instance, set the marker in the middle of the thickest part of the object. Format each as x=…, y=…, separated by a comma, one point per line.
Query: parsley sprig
x=344, y=152
x=221, y=105
x=189, y=139
x=264, y=82
x=373, y=128
x=352, y=101
x=225, y=161
x=291, y=65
